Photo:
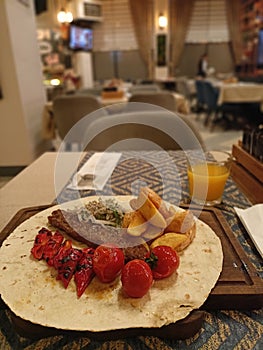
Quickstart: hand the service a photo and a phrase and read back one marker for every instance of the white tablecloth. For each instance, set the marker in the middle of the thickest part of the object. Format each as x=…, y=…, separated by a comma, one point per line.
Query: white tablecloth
x=240, y=93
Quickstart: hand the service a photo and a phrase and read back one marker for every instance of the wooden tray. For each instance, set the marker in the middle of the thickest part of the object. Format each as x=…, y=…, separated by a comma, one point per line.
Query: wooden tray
x=239, y=286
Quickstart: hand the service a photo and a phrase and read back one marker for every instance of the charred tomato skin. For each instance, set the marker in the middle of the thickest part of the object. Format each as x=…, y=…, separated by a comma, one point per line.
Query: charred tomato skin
x=136, y=278
x=108, y=261
x=166, y=261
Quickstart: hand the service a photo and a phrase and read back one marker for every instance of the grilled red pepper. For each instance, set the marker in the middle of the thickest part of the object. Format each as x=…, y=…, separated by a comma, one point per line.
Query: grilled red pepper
x=68, y=261
x=41, y=240
x=52, y=247
x=67, y=265
x=62, y=252
x=84, y=271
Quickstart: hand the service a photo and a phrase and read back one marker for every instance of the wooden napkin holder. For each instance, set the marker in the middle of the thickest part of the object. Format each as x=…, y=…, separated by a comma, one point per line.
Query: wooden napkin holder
x=247, y=172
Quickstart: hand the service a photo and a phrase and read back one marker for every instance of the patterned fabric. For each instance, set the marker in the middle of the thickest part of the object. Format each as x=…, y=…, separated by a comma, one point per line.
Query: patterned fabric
x=165, y=173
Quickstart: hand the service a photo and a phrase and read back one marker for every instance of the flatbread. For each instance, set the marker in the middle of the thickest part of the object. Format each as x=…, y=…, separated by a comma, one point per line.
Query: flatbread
x=30, y=289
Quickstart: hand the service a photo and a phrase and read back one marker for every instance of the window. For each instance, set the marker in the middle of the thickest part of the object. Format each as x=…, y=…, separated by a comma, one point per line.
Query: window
x=115, y=32
x=208, y=23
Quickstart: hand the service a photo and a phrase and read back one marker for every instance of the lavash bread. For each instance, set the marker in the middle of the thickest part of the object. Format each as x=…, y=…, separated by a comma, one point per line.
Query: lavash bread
x=31, y=291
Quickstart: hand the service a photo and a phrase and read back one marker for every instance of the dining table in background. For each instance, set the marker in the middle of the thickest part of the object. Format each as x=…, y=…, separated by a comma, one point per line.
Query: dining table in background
x=167, y=83
x=181, y=103
x=240, y=92
x=111, y=101
x=165, y=173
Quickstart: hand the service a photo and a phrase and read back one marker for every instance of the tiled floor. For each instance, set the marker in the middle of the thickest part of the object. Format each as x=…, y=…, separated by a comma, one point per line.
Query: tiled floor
x=219, y=137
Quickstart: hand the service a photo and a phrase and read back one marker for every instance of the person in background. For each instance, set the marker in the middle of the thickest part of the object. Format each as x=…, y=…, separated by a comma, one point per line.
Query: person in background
x=202, y=66
x=71, y=81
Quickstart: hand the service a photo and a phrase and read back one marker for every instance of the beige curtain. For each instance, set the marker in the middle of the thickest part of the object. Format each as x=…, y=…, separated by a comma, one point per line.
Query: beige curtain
x=233, y=18
x=180, y=13
x=142, y=16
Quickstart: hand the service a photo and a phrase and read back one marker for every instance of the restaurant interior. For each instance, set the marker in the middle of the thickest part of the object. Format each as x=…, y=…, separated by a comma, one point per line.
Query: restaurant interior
x=119, y=55
x=144, y=82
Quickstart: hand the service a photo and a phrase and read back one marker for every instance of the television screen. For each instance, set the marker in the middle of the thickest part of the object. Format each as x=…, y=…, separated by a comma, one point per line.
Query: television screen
x=80, y=38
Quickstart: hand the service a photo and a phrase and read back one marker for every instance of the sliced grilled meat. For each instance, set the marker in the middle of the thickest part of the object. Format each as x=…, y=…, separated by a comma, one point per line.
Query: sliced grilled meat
x=94, y=234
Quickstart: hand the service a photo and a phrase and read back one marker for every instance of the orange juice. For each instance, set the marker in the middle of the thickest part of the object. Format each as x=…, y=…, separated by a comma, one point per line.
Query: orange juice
x=207, y=181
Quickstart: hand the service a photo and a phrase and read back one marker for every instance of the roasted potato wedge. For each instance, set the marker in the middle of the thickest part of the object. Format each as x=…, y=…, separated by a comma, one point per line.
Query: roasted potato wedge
x=172, y=210
x=133, y=203
x=157, y=223
x=171, y=239
x=177, y=241
x=150, y=212
x=157, y=201
x=152, y=232
x=137, y=225
x=180, y=222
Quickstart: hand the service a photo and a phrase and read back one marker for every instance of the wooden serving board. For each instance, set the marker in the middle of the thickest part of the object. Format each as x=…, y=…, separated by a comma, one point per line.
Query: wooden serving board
x=238, y=287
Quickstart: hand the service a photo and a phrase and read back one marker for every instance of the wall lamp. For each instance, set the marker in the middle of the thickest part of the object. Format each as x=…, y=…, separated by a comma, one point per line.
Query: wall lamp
x=162, y=21
x=64, y=16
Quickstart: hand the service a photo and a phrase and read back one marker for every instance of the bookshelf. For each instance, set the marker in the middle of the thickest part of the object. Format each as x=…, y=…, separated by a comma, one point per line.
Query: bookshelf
x=251, y=22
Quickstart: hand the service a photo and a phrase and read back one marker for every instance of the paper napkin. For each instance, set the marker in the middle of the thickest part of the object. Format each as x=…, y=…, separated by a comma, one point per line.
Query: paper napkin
x=93, y=175
x=252, y=219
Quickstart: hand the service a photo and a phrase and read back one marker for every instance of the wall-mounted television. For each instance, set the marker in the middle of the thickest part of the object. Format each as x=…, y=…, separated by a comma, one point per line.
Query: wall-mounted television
x=80, y=38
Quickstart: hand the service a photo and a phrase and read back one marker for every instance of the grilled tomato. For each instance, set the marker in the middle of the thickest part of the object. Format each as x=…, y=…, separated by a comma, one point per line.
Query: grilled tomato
x=136, y=278
x=163, y=261
x=108, y=262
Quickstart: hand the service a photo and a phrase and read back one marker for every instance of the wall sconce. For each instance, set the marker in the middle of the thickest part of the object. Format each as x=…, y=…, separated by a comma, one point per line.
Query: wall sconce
x=162, y=21
x=64, y=16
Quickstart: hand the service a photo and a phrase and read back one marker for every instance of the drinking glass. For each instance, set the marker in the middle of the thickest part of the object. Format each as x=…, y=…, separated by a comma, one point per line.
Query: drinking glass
x=207, y=176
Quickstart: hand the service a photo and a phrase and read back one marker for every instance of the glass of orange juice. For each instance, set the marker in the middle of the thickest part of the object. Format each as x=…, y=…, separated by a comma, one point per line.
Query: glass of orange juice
x=207, y=176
